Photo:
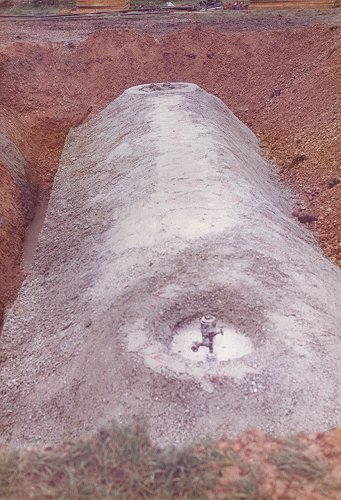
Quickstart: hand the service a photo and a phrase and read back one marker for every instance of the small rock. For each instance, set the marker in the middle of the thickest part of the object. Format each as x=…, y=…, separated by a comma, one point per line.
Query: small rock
x=307, y=218
x=334, y=182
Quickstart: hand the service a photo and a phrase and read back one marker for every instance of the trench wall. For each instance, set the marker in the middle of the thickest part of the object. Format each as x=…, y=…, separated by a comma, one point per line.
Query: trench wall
x=16, y=195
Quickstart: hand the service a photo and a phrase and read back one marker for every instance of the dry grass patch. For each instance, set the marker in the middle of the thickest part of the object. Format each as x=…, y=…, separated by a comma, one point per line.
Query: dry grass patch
x=120, y=463
x=294, y=461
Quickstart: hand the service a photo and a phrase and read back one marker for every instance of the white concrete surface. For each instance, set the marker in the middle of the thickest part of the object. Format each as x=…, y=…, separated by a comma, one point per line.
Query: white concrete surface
x=163, y=210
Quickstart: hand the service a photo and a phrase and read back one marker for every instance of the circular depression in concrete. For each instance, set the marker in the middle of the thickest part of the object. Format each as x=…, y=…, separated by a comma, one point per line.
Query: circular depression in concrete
x=161, y=330
x=180, y=360
x=163, y=342
x=163, y=87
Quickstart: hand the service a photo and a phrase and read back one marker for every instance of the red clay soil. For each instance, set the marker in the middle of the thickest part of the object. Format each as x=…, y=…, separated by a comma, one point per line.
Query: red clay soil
x=285, y=85
x=285, y=468
x=12, y=227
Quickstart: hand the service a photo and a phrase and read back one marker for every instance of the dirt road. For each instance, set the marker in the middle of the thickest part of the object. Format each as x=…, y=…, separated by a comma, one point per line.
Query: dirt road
x=77, y=28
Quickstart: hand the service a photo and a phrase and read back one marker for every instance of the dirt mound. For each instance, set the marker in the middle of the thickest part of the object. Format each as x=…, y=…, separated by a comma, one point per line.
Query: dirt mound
x=293, y=106
x=153, y=222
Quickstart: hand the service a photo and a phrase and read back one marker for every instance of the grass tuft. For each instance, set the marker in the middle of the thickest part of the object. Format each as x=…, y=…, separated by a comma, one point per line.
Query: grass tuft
x=292, y=460
x=247, y=488
x=120, y=463
x=116, y=463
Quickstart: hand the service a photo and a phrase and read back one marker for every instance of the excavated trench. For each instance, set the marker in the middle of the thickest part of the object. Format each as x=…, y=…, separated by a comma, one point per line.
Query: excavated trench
x=63, y=85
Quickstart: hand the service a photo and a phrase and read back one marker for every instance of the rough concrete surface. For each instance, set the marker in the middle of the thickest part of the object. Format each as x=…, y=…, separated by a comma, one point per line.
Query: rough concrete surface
x=163, y=209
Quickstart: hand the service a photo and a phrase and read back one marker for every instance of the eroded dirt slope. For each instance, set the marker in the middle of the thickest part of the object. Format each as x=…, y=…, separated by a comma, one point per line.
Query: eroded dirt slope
x=16, y=202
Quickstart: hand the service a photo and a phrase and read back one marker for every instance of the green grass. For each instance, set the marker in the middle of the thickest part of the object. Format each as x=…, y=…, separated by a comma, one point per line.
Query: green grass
x=292, y=460
x=120, y=463
x=33, y=7
x=293, y=463
x=247, y=488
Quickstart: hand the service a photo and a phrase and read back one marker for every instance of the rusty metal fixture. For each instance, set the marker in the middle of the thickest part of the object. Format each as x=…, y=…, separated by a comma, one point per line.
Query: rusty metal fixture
x=164, y=86
x=210, y=5
x=208, y=326
x=161, y=86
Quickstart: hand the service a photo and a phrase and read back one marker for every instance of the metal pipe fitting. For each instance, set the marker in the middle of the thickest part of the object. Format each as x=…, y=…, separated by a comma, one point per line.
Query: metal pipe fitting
x=208, y=325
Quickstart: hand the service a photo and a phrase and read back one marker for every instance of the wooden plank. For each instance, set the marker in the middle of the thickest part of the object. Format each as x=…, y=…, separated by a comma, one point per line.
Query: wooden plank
x=291, y=4
x=114, y=5
x=109, y=3
x=294, y=2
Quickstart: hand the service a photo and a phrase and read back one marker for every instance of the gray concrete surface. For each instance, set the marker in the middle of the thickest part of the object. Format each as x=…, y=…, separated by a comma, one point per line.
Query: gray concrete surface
x=163, y=209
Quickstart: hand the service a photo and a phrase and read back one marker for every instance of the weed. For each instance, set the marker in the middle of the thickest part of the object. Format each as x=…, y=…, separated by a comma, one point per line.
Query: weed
x=247, y=488
x=120, y=463
x=293, y=460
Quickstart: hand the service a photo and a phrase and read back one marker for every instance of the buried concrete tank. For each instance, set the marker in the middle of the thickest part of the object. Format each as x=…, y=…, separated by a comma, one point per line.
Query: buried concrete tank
x=163, y=212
